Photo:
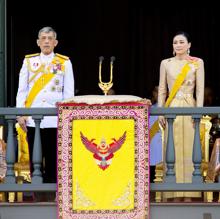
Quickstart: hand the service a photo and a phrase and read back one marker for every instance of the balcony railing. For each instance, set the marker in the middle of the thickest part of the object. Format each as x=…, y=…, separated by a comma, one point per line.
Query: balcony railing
x=169, y=184
x=9, y=184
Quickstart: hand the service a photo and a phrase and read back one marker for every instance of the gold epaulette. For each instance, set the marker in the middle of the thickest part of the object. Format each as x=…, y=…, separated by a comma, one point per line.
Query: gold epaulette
x=32, y=55
x=62, y=56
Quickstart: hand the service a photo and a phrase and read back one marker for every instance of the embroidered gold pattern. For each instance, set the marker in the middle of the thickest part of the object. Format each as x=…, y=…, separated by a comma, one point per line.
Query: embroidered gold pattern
x=124, y=200
x=82, y=200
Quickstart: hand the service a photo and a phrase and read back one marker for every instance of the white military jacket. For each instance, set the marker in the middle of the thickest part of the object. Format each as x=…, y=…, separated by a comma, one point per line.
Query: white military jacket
x=60, y=87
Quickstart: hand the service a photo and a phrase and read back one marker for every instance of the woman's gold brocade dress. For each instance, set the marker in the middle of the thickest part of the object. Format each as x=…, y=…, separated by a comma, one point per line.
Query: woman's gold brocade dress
x=183, y=128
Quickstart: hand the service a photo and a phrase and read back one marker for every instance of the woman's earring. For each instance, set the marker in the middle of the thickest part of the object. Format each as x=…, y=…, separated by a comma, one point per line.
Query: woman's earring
x=174, y=53
x=188, y=51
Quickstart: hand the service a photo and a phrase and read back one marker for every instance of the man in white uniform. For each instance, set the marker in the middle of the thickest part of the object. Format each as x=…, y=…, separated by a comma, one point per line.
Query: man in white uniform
x=45, y=79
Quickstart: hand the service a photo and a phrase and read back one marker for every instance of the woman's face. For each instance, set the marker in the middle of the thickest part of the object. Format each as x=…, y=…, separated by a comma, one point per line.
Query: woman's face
x=180, y=45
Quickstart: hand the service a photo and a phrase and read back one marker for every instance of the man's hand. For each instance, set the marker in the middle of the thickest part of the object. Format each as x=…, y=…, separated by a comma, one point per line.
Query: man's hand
x=22, y=122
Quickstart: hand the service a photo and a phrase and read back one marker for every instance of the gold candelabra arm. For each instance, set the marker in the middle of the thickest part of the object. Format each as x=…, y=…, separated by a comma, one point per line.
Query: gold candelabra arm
x=111, y=68
x=101, y=58
x=105, y=86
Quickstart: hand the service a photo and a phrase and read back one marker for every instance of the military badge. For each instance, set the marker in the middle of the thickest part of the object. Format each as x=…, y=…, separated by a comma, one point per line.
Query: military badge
x=57, y=66
x=57, y=81
x=35, y=65
x=59, y=89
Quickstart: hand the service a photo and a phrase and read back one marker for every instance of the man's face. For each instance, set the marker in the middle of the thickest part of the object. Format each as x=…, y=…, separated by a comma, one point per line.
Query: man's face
x=47, y=42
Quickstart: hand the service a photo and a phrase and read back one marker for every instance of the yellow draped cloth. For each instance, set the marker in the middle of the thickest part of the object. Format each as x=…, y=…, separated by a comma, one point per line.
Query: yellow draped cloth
x=103, y=158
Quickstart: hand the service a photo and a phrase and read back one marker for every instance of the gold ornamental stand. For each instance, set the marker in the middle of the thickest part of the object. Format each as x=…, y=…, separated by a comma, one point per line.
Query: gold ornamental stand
x=105, y=86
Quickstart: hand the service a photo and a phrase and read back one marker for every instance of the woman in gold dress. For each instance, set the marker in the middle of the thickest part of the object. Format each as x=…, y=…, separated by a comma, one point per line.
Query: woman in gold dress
x=181, y=78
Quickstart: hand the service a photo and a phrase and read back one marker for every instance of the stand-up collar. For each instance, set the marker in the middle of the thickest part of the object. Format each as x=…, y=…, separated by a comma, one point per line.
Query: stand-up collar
x=46, y=58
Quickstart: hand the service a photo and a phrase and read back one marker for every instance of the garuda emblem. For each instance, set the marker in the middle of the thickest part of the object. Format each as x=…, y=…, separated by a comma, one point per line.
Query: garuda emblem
x=103, y=152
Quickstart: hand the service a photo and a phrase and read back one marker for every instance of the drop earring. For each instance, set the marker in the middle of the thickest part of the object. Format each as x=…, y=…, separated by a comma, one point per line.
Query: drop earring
x=188, y=51
x=174, y=53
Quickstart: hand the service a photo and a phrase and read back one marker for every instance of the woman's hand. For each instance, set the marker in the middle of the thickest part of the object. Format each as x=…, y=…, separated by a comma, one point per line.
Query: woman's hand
x=162, y=121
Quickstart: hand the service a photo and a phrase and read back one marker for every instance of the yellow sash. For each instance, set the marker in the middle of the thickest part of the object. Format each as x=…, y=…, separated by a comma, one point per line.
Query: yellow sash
x=178, y=82
x=38, y=86
x=23, y=149
x=154, y=129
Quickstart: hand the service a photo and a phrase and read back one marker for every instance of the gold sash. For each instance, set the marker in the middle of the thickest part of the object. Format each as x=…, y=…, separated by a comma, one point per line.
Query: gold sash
x=41, y=82
x=154, y=129
x=178, y=82
x=23, y=149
